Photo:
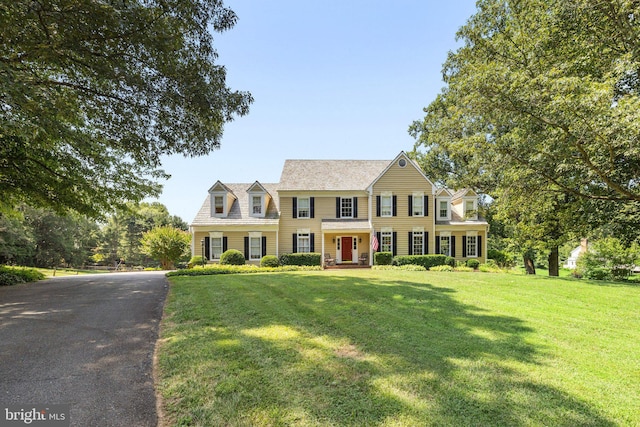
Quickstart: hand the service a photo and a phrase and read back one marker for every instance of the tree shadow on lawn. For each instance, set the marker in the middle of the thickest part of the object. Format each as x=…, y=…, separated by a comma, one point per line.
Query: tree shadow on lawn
x=353, y=351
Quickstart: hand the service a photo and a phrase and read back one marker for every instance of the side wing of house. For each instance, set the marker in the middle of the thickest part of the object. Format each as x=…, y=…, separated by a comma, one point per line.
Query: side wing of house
x=237, y=216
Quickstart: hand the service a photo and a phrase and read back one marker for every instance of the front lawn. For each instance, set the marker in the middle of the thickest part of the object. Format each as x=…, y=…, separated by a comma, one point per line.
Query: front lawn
x=399, y=349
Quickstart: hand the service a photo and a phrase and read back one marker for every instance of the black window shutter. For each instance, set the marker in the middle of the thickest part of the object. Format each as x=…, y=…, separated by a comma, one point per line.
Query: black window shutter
x=207, y=248
x=453, y=246
x=337, y=207
x=311, y=207
x=410, y=205
x=395, y=243
x=246, y=247
x=425, y=242
x=426, y=205
x=224, y=244
x=295, y=243
x=438, y=245
x=377, y=205
x=479, y=246
x=264, y=245
x=410, y=243
x=395, y=205
x=355, y=207
x=379, y=237
x=295, y=207
x=464, y=246
x=312, y=242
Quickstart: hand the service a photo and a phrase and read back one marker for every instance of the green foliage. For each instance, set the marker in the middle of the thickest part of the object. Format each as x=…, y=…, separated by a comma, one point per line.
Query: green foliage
x=608, y=258
x=426, y=261
x=310, y=258
x=383, y=258
x=196, y=260
x=269, y=261
x=501, y=258
x=14, y=275
x=94, y=94
x=406, y=267
x=232, y=257
x=473, y=263
x=451, y=261
x=240, y=269
x=166, y=244
x=446, y=267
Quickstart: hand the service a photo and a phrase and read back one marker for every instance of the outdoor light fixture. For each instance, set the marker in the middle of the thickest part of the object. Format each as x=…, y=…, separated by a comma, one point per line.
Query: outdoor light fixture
x=202, y=243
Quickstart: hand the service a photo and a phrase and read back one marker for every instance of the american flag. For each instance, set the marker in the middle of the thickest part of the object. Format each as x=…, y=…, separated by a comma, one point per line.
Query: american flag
x=374, y=242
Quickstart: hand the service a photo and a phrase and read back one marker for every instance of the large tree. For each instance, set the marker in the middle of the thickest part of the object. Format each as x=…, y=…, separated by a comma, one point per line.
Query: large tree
x=542, y=101
x=93, y=93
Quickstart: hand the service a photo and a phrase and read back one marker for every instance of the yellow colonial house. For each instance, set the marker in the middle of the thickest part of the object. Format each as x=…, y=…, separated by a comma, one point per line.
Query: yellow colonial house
x=345, y=209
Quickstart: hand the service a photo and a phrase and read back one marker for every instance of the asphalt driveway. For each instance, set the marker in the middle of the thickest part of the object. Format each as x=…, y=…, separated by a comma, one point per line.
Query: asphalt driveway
x=86, y=341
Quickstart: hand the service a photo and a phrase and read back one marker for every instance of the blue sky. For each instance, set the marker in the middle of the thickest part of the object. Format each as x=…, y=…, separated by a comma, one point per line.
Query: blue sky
x=331, y=79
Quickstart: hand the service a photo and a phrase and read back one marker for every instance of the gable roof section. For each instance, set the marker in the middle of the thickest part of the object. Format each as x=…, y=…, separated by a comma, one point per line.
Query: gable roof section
x=239, y=211
x=256, y=187
x=444, y=192
x=329, y=175
x=219, y=186
x=409, y=162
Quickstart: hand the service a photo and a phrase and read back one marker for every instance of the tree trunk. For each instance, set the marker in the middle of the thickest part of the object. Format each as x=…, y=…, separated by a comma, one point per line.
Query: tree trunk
x=529, y=265
x=554, y=264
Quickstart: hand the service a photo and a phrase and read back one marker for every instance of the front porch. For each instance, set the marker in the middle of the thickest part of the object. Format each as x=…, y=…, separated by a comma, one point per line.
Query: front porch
x=346, y=243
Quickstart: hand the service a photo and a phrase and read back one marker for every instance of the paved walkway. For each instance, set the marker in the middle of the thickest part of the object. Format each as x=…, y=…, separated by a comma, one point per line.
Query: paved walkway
x=86, y=341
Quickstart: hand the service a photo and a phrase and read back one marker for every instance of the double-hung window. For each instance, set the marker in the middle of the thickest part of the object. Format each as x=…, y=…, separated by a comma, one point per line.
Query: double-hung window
x=303, y=207
x=256, y=202
x=216, y=245
x=470, y=211
x=386, y=241
x=443, y=211
x=255, y=247
x=472, y=246
x=418, y=243
x=445, y=245
x=386, y=204
x=418, y=204
x=304, y=242
x=218, y=203
x=346, y=207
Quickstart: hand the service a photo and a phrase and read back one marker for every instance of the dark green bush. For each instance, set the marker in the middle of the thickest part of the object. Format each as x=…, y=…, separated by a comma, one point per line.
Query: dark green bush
x=599, y=273
x=269, y=261
x=310, y=258
x=427, y=261
x=232, y=257
x=450, y=261
x=473, y=263
x=13, y=275
x=382, y=258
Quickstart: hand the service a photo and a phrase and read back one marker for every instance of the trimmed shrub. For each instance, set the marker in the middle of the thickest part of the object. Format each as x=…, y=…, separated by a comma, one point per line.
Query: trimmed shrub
x=382, y=258
x=196, y=260
x=310, y=258
x=10, y=276
x=239, y=269
x=598, y=273
x=269, y=261
x=502, y=258
x=426, y=261
x=232, y=257
x=450, y=261
x=473, y=263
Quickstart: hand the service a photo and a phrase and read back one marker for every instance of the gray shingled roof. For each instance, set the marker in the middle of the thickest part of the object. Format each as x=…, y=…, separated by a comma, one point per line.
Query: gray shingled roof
x=330, y=175
x=239, y=212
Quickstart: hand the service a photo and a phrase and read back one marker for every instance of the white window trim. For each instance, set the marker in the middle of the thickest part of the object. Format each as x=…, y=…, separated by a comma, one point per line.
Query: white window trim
x=446, y=234
x=213, y=204
x=417, y=231
x=386, y=231
x=308, y=199
x=473, y=234
x=262, y=205
x=443, y=199
x=255, y=235
x=418, y=196
x=387, y=195
x=304, y=234
x=215, y=235
x=342, y=208
x=474, y=200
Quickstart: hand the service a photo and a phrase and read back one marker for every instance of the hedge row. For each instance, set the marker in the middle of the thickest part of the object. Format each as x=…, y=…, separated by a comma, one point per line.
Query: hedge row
x=238, y=269
x=13, y=275
x=311, y=259
x=426, y=261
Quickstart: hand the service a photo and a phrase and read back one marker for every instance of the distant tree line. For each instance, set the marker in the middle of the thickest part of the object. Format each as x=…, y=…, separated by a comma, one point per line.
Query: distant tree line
x=40, y=237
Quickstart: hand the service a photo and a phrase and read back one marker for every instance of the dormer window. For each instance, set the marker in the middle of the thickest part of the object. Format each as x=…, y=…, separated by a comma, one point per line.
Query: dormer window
x=221, y=199
x=256, y=202
x=470, y=209
x=218, y=204
x=444, y=208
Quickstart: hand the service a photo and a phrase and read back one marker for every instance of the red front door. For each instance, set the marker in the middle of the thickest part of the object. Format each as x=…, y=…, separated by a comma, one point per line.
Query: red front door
x=347, y=248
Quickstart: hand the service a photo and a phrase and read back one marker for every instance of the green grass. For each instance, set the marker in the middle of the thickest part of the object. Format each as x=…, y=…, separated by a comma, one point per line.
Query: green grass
x=397, y=348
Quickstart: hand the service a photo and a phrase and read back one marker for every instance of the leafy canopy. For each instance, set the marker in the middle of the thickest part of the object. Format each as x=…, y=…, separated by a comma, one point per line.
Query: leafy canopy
x=542, y=99
x=93, y=93
x=166, y=244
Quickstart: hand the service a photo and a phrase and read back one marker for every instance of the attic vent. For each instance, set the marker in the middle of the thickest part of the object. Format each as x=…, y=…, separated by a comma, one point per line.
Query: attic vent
x=402, y=163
